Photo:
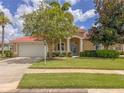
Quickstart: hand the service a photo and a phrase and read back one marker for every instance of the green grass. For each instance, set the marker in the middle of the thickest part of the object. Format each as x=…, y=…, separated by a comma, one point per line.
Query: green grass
x=84, y=63
x=74, y=80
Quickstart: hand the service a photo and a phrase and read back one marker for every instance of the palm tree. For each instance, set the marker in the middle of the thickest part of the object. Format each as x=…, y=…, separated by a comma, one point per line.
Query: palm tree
x=64, y=8
x=3, y=21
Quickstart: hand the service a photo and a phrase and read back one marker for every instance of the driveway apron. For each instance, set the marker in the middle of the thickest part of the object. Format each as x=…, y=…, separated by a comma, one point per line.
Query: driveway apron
x=11, y=72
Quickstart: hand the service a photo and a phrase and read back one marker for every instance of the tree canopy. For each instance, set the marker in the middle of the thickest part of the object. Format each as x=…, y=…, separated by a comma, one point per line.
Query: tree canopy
x=3, y=21
x=108, y=27
x=52, y=22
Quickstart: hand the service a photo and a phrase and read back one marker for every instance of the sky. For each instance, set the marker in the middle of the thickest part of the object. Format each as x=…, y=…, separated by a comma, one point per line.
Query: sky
x=82, y=10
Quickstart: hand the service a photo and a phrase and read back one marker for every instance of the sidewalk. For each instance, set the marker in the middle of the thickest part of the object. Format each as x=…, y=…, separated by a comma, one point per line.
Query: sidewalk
x=120, y=72
x=66, y=91
x=105, y=91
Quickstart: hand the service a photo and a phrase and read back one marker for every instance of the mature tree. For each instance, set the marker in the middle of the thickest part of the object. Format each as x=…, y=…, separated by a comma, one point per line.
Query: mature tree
x=110, y=22
x=111, y=13
x=68, y=15
x=105, y=36
x=50, y=22
x=3, y=21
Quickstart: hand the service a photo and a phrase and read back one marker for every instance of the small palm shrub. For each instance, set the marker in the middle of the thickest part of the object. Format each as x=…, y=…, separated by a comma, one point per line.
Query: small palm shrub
x=58, y=54
x=63, y=54
x=55, y=54
x=69, y=54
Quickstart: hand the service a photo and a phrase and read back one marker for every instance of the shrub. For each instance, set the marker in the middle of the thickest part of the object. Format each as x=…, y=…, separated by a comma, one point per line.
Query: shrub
x=8, y=53
x=107, y=53
x=69, y=54
x=58, y=54
x=100, y=53
x=55, y=54
x=88, y=54
x=63, y=54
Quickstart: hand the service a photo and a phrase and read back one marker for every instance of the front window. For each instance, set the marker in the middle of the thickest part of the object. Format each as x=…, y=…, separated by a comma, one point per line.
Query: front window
x=62, y=47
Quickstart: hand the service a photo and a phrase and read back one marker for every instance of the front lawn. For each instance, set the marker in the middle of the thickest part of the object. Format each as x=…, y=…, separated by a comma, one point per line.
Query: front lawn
x=74, y=80
x=81, y=63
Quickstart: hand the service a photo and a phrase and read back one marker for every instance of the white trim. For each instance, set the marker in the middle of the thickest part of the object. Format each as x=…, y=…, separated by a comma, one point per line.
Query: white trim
x=60, y=45
x=68, y=45
x=75, y=36
x=81, y=45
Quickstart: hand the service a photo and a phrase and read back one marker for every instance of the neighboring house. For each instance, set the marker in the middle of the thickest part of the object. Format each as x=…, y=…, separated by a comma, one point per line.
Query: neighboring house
x=118, y=47
x=33, y=47
x=6, y=46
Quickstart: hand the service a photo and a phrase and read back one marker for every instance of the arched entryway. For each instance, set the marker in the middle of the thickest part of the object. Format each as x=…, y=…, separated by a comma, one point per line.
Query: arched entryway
x=75, y=46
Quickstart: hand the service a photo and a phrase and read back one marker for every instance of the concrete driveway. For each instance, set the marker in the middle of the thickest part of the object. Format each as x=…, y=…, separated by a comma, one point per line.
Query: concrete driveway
x=11, y=72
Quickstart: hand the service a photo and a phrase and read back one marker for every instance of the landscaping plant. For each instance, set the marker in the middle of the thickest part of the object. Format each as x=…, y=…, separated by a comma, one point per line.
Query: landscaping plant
x=109, y=26
x=100, y=53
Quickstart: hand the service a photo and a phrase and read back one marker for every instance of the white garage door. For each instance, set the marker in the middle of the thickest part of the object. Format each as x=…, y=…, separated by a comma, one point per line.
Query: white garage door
x=31, y=50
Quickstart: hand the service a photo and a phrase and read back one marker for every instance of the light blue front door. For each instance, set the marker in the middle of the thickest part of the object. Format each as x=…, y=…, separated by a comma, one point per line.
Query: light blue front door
x=74, y=49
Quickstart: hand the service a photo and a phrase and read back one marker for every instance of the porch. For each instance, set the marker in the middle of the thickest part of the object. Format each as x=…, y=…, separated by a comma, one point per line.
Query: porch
x=72, y=44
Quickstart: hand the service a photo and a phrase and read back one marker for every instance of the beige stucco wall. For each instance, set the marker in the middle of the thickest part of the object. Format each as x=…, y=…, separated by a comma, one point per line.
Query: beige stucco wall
x=118, y=47
x=87, y=45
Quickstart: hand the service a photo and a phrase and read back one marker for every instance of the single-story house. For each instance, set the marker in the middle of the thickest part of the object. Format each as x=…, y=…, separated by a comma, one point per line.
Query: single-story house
x=32, y=47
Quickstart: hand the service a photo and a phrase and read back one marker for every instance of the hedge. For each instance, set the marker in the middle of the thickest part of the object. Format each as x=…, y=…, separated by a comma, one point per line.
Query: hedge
x=58, y=54
x=100, y=53
x=88, y=53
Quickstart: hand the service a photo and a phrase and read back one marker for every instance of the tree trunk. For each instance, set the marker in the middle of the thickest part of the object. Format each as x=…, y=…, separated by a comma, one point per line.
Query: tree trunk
x=60, y=46
x=50, y=50
x=53, y=46
x=3, y=39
